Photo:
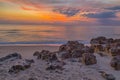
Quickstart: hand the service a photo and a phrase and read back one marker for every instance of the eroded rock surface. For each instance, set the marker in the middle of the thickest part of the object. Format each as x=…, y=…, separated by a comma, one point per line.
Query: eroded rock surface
x=115, y=62
x=89, y=59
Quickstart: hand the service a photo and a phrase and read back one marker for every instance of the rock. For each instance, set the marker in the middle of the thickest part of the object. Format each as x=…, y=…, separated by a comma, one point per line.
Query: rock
x=72, y=49
x=114, y=51
x=87, y=49
x=53, y=56
x=107, y=76
x=29, y=61
x=18, y=68
x=71, y=45
x=62, y=48
x=46, y=55
x=117, y=41
x=54, y=67
x=110, y=40
x=63, y=55
x=77, y=53
x=98, y=40
x=115, y=62
x=36, y=53
x=89, y=59
x=101, y=54
x=99, y=48
x=11, y=57
x=32, y=79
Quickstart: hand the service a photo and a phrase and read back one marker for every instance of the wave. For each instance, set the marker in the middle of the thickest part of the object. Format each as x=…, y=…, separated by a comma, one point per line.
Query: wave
x=51, y=43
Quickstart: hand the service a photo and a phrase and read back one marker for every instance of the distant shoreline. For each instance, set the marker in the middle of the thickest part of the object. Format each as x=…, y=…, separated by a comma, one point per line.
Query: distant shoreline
x=53, y=43
x=30, y=45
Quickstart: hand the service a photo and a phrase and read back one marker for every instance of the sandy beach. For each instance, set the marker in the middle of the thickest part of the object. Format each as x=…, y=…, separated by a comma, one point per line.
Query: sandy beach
x=72, y=70
x=69, y=61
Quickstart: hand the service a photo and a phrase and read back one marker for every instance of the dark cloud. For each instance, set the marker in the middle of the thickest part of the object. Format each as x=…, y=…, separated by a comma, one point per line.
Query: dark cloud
x=114, y=8
x=109, y=22
x=101, y=15
x=105, y=18
x=67, y=11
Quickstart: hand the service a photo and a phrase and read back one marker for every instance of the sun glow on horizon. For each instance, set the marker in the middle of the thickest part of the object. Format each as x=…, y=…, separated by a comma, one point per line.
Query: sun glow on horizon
x=59, y=11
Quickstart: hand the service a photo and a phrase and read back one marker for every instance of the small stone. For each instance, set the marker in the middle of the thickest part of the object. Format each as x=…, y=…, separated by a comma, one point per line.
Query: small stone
x=107, y=76
x=32, y=79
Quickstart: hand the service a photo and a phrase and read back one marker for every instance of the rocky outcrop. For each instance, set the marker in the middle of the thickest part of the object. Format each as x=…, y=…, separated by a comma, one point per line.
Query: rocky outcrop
x=63, y=55
x=115, y=51
x=107, y=45
x=74, y=49
x=99, y=40
x=104, y=40
x=88, y=49
x=18, y=68
x=89, y=59
x=77, y=53
x=45, y=55
x=115, y=62
x=70, y=46
x=11, y=57
x=37, y=53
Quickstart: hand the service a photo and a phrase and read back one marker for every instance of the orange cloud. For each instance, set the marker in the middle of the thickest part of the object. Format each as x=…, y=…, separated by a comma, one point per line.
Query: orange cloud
x=26, y=8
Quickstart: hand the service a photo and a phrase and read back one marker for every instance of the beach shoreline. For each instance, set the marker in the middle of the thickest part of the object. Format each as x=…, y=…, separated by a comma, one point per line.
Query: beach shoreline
x=69, y=61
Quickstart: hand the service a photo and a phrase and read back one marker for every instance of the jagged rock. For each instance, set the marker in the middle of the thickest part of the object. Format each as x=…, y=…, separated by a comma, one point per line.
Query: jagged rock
x=36, y=53
x=72, y=49
x=98, y=48
x=46, y=55
x=115, y=51
x=58, y=66
x=107, y=76
x=88, y=49
x=53, y=57
x=32, y=79
x=77, y=53
x=101, y=54
x=11, y=57
x=62, y=48
x=54, y=67
x=98, y=40
x=115, y=62
x=63, y=55
x=71, y=45
x=107, y=48
x=117, y=41
x=89, y=59
x=110, y=40
x=29, y=61
x=18, y=68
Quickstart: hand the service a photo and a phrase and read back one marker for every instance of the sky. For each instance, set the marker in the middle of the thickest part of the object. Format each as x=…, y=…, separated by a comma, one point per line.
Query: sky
x=60, y=12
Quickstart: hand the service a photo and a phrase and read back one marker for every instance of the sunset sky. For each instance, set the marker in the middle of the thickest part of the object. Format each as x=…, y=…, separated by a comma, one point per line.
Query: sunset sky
x=60, y=12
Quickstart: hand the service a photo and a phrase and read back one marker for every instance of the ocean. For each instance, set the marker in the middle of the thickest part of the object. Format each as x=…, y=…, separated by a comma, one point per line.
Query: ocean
x=48, y=34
